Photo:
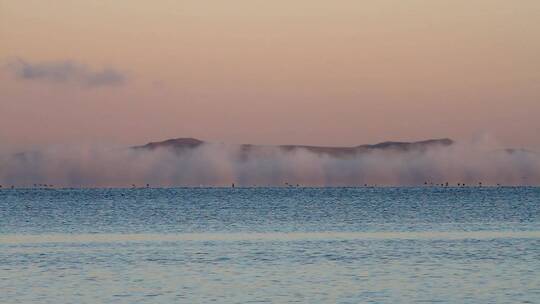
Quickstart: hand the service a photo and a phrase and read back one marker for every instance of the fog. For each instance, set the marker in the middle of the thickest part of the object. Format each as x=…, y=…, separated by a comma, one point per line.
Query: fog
x=223, y=165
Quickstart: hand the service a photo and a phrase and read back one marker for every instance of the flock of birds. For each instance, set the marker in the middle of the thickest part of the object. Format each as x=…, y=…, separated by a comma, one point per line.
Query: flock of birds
x=448, y=185
x=134, y=186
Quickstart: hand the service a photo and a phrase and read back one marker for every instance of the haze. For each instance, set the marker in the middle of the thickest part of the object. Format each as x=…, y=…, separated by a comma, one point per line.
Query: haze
x=268, y=72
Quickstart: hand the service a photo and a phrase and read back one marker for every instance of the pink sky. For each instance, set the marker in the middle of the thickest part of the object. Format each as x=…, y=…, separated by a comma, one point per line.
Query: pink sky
x=268, y=72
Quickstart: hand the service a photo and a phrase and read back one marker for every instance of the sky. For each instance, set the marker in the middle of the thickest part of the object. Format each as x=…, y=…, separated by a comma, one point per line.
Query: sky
x=333, y=73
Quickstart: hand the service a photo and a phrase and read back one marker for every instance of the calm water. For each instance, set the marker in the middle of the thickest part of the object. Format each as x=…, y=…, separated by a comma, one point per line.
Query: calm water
x=279, y=245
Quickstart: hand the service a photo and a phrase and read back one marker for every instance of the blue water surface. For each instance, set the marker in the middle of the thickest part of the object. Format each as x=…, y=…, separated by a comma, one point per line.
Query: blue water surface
x=276, y=245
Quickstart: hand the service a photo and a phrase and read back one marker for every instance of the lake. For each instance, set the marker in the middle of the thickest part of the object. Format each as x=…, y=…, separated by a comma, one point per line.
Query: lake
x=275, y=245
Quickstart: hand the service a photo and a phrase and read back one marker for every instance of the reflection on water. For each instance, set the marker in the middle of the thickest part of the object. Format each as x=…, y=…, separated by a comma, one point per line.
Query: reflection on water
x=271, y=236
x=262, y=245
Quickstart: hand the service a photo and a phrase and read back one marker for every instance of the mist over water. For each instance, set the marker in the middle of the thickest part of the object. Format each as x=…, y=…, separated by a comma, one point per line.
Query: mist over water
x=223, y=164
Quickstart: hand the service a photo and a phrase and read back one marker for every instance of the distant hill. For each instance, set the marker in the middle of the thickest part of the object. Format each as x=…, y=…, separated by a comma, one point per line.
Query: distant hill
x=182, y=144
x=177, y=144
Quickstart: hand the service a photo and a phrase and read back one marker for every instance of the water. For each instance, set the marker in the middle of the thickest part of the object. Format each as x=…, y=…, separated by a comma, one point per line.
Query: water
x=278, y=245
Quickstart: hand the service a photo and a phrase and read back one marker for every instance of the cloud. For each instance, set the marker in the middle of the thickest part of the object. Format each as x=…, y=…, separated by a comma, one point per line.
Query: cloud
x=66, y=72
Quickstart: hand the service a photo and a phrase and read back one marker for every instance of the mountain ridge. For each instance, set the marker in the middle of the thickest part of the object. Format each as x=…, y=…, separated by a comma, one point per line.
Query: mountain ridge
x=185, y=143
